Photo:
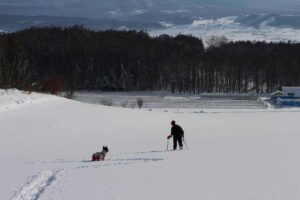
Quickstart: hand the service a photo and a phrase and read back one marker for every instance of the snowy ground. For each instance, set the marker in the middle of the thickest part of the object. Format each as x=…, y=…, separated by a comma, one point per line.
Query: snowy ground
x=233, y=30
x=12, y=98
x=45, y=147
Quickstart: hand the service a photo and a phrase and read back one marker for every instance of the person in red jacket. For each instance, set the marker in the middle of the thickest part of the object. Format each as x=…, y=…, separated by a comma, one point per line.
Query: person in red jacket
x=177, y=133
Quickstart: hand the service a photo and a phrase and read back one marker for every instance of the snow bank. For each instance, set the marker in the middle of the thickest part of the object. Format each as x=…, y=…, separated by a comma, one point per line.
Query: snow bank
x=13, y=98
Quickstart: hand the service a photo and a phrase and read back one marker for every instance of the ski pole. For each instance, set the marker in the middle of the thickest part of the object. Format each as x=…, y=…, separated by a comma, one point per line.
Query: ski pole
x=185, y=143
x=167, y=144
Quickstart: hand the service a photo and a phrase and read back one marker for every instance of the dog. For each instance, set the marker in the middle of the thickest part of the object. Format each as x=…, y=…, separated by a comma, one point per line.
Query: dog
x=100, y=156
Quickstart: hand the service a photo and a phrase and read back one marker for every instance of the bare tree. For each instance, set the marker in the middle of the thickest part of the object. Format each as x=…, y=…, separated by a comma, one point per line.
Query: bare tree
x=140, y=102
x=216, y=41
x=69, y=94
x=124, y=103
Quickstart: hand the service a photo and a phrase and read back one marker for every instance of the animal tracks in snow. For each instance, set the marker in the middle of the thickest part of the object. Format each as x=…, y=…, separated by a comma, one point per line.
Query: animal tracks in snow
x=40, y=182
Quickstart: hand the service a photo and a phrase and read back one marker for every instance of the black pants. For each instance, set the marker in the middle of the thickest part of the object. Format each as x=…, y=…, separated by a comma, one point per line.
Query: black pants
x=175, y=140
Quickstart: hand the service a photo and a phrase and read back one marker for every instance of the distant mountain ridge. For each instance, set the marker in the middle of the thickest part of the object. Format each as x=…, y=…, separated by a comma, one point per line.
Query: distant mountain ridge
x=120, y=8
x=12, y=23
x=18, y=22
x=144, y=14
x=284, y=21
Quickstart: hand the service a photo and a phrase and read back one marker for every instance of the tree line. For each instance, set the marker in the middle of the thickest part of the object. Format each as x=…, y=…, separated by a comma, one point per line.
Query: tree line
x=76, y=58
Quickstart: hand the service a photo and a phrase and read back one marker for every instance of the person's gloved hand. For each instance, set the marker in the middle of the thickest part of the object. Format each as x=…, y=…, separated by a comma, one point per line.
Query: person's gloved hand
x=169, y=136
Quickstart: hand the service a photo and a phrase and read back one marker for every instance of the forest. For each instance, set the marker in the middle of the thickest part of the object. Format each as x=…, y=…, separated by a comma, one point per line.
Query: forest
x=54, y=59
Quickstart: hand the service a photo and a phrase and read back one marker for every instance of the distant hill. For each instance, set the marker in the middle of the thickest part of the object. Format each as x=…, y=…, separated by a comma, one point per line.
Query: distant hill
x=18, y=22
x=144, y=14
x=103, y=8
x=270, y=20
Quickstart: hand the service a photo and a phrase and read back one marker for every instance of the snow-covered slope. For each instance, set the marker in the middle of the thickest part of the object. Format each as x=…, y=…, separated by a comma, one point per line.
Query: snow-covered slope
x=235, y=29
x=12, y=98
x=45, y=148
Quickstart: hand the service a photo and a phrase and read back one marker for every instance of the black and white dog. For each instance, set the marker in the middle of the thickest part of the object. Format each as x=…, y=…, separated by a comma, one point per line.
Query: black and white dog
x=98, y=156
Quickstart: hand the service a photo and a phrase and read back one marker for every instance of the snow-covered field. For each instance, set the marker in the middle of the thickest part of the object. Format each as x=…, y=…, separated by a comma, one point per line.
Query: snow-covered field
x=46, y=145
x=233, y=30
x=167, y=100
